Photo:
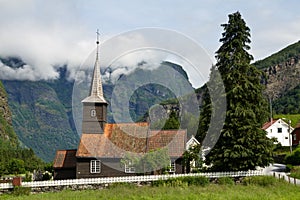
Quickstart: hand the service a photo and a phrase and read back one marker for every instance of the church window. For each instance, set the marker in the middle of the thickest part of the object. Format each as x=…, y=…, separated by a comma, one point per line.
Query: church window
x=95, y=166
x=129, y=168
x=172, y=167
x=93, y=113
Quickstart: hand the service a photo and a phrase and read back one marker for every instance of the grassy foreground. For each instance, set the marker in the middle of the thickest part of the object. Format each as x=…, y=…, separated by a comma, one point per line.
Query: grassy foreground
x=277, y=190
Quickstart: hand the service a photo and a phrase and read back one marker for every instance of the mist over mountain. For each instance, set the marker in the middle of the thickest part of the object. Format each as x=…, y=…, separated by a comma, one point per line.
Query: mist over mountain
x=42, y=110
x=42, y=114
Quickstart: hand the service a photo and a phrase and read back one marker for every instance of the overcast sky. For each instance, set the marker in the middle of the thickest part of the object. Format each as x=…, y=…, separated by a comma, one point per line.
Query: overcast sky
x=49, y=33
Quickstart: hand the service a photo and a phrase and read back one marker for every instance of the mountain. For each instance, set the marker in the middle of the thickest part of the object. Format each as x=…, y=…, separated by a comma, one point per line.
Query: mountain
x=42, y=110
x=6, y=129
x=282, y=79
x=42, y=115
x=11, y=151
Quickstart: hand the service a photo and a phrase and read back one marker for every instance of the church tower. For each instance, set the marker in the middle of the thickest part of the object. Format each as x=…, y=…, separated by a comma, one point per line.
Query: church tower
x=95, y=106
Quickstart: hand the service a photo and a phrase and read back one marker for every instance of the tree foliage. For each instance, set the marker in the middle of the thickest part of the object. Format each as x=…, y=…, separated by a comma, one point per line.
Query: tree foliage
x=193, y=154
x=152, y=161
x=242, y=144
x=294, y=158
x=15, y=159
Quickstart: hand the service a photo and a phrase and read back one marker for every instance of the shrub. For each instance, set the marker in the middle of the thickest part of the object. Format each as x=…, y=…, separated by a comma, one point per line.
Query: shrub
x=28, y=177
x=260, y=180
x=47, y=176
x=225, y=181
x=295, y=172
x=294, y=158
x=197, y=180
x=172, y=182
x=288, y=168
x=182, y=181
x=125, y=185
x=19, y=190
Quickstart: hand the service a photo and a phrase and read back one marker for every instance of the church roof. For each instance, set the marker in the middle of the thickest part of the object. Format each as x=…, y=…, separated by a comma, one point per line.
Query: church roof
x=96, y=89
x=118, y=139
x=65, y=159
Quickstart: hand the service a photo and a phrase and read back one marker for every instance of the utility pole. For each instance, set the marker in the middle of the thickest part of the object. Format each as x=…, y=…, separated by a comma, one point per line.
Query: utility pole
x=289, y=130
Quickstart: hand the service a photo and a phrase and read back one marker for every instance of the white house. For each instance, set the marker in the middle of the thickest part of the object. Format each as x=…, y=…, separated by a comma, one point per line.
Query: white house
x=191, y=142
x=279, y=129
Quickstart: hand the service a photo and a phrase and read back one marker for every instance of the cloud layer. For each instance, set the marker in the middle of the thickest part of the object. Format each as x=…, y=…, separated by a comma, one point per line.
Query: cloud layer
x=47, y=34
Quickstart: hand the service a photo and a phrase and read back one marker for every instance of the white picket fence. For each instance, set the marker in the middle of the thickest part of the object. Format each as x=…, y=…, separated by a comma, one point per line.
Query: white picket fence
x=130, y=179
x=284, y=176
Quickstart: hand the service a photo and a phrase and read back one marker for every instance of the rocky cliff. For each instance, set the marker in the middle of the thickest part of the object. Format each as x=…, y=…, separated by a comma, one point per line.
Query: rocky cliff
x=6, y=130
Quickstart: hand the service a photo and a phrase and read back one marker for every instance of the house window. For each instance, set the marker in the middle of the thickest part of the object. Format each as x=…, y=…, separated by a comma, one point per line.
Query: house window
x=279, y=130
x=93, y=113
x=95, y=166
x=286, y=138
x=271, y=130
x=129, y=168
x=172, y=167
x=294, y=137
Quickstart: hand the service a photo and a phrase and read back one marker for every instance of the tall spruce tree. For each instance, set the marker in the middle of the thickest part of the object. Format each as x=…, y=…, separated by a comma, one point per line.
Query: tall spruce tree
x=242, y=144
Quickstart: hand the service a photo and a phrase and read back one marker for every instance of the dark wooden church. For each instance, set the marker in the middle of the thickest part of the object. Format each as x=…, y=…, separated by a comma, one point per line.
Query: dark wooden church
x=103, y=145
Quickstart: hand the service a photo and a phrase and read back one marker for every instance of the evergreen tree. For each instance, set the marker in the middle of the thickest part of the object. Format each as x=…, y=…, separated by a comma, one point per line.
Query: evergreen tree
x=242, y=144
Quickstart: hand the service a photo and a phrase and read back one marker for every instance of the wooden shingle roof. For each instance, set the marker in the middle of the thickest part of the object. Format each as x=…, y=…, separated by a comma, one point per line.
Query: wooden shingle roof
x=118, y=139
x=65, y=159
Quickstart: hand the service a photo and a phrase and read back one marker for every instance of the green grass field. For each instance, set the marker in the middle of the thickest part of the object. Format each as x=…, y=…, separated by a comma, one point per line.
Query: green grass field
x=295, y=118
x=275, y=190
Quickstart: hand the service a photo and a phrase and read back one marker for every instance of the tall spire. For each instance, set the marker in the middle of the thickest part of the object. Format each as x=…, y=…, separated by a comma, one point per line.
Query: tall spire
x=96, y=90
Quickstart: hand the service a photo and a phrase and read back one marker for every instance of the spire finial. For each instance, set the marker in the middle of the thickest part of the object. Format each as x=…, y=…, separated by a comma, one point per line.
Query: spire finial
x=97, y=42
x=97, y=36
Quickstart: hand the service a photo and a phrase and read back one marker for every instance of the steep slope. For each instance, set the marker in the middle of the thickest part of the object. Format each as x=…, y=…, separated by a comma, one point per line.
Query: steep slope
x=282, y=79
x=39, y=118
x=6, y=130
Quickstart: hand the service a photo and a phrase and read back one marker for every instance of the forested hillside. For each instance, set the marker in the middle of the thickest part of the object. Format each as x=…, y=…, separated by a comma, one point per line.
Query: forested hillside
x=282, y=79
x=11, y=152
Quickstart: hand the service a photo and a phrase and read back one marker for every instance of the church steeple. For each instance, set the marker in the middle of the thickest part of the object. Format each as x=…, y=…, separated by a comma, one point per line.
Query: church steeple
x=96, y=90
x=95, y=106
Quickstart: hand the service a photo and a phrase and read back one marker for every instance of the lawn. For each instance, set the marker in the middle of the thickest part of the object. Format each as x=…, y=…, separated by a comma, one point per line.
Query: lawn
x=295, y=118
x=277, y=190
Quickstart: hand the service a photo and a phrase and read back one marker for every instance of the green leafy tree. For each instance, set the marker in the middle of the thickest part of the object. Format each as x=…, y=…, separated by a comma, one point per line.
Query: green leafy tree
x=153, y=161
x=294, y=158
x=242, y=144
x=193, y=154
x=16, y=166
x=172, y=122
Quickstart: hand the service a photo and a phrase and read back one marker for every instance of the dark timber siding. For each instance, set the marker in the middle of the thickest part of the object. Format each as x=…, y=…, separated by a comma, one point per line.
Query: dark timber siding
x=94, y=124
x=62, y=174
x=109, y=168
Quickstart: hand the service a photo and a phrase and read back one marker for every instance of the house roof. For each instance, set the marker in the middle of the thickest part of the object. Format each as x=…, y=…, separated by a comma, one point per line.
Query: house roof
x=118, y=139
x=268, y=124
x=65, y=159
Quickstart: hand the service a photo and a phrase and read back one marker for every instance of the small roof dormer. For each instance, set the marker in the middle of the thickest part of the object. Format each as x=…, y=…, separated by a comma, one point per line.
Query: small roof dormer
x=96, y=89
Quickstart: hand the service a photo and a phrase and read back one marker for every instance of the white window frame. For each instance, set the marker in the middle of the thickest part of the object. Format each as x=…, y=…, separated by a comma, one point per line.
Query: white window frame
x=95, y=166
x=93, y=113
x=172, y=167
x=129, y=168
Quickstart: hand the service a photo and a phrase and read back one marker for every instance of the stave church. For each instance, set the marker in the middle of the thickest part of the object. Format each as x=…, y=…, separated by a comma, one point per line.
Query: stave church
x=103, y=145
